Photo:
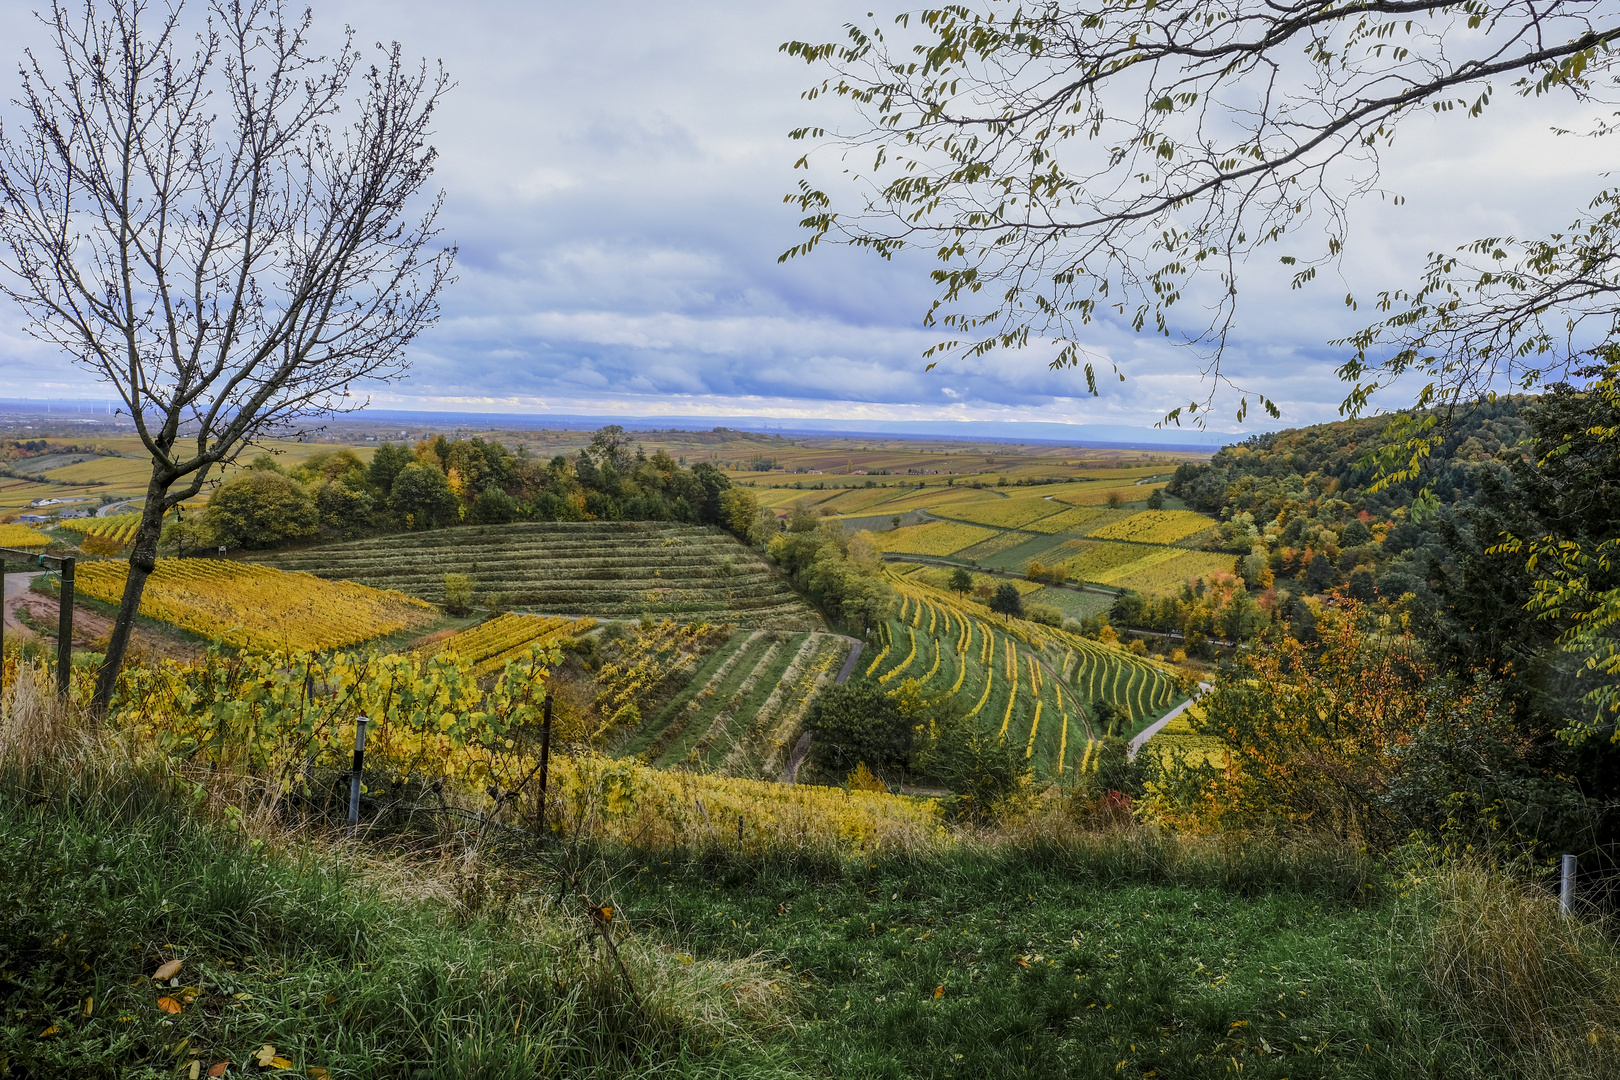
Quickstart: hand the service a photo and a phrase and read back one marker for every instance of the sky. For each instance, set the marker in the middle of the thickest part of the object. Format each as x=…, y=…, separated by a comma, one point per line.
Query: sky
x=613, y=176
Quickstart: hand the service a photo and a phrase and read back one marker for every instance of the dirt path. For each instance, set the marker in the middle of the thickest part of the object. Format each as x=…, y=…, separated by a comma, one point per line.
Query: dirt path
x=16, y=587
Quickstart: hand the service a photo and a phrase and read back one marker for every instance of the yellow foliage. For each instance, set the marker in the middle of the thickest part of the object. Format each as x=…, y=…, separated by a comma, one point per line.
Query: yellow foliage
x=21, y=536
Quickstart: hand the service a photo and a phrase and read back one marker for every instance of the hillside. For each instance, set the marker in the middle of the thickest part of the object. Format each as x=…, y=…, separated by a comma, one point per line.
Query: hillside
x=605, y=570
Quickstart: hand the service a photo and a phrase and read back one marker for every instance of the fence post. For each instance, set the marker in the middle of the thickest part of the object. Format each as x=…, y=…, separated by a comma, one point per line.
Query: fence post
x=2, y=626
x=64, y=632
x=1566, y=886
x=545, y=762
x=354, y=777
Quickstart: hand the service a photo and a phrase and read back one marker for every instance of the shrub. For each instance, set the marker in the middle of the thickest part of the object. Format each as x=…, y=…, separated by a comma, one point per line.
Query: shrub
x=857, y=723
x=458, y=591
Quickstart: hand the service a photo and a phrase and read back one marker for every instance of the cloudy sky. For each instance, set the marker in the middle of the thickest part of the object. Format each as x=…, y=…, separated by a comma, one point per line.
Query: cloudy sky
x=613, y=175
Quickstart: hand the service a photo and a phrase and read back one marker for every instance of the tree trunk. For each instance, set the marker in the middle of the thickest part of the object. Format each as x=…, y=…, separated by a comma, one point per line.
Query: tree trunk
x=142, y=561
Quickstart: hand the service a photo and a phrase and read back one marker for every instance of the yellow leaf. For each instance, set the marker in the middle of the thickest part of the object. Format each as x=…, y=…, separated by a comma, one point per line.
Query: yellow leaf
x=89, y=1006
x=317, y=1074
x=168, y=1004
x=265, y=1055
x=939, y=992
x=52, y=1030
x=1240, y=1023
x=195, y=1071
x=280, y=1063
x=167, y=971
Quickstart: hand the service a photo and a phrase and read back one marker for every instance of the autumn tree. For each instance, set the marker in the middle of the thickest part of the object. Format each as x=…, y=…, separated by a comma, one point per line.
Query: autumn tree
x=188, y=213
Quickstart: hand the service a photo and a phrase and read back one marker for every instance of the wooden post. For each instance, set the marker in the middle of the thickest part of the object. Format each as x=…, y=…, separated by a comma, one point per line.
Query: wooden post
x=64, y=633
x=1566, y=886
x=545, y=762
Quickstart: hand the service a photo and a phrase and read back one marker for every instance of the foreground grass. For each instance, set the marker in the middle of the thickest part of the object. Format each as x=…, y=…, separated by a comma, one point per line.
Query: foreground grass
x=1003, y=967
x=106, y=881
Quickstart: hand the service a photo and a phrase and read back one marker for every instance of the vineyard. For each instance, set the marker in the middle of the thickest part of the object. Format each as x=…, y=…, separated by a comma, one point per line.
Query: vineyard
x=1030, y=683
x=1154, y=527
x=258, y=607
x=740, y=709
x=600, y=569
x=933, y=538
x=21, y=536
x=490, y=645
x=119, y=529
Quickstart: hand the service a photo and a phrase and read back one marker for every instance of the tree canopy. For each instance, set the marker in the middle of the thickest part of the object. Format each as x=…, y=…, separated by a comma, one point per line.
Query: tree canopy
x=1065, y=161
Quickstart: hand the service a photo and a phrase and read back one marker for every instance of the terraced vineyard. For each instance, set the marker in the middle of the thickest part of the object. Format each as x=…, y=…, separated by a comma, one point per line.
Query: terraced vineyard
x=600, y=569
x=740, y=712
x=1032, y=684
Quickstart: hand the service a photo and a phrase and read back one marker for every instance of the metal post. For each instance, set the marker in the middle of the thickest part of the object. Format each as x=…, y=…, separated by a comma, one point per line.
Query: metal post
x=2, y=626
x=1566, y=886
x=545, y=762
x=354, y=777
x=64, y=632
x=739, y=830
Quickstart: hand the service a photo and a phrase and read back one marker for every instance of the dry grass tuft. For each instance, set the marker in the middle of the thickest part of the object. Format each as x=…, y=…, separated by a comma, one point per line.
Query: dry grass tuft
x=1516, y=973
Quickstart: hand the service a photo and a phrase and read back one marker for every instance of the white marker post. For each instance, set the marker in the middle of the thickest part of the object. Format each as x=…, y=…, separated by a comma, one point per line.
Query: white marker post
x=354, y=776
x=1566, y=886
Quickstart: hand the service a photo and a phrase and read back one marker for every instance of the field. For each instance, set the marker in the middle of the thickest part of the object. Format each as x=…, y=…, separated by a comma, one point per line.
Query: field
x=1029, y=683
x=257, y=607
x=933, y=538
x=604, y=570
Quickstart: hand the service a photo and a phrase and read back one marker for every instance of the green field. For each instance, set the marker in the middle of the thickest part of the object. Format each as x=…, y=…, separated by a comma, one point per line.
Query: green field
x=602, y=569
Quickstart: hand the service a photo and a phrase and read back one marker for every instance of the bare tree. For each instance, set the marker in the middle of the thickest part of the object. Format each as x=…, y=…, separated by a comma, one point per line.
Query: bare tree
x=1064, y=160
x=185, y=214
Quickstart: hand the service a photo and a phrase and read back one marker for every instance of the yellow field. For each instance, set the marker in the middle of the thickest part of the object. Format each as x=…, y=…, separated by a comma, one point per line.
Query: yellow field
x=1155, y=527
x=1163, y=578
x=1097, y=494
x=931, y=538
x=254, y=606
x=21, y=536
x=1010, y=513
x=1077, y=519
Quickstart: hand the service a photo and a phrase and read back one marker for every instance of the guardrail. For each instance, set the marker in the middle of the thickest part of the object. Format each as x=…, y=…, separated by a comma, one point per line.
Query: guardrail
x=64, y=622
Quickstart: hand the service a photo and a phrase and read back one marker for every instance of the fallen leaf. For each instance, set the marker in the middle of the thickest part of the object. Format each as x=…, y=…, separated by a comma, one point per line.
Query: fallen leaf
x=196, y=1069
x=218, y=1068
x=265, y=1054
x=317, y=1074
x=1023, y=963
x=168, y=1004
x=939, y=992
x=52, y=1030
x=604, y=914
x=280, y=1063
x=1240, y=1023
x=89, y=1007
x=167, y=971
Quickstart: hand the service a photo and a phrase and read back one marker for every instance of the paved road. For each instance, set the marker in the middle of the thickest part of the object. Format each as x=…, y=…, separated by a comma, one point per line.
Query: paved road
x=856, y=645
x=1158, y=725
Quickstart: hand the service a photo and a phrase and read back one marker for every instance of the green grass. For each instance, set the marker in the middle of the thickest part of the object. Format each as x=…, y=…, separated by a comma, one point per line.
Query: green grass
x=1067, y=968
x=107, y=879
